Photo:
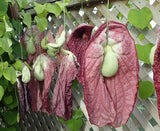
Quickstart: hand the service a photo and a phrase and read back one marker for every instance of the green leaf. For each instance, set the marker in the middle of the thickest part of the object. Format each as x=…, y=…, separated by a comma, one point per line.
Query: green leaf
x=22, y=3
x=76, y=122
x=7, y=26
x=60, y=4
x=67, y=1
x=146, y=89
x=77, y=114
x=2, y=28
x=140, y=18
x=75, y=83
x=1, y=51
x=150, y=26
x=27, y=19
x=5, y=83
x=3, y=7
x=74, y=125
x=120, y=16
x=17, y=25
x=143, y=52
x=18, y=65
x=53, y=9
x=12, y=57
x=3, y=66
x=8, y=129
x=141, y=37
x=39, y=8
x=8, y=99
x=10, y=117
x=10, y=74
x=1, y=92
x=14, y=102
x=4, y=44
x=19, y=50
x=42, y=23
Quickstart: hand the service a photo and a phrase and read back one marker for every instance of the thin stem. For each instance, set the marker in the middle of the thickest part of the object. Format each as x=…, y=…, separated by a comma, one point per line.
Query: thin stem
x=27, y=65
x=107, y=32
x=66, y=52
x=16, y=95
x=21, y=50
x=64, y=13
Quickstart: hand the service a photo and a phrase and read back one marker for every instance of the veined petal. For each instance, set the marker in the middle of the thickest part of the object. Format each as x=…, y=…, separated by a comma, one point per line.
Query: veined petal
x=123, y=86
x=49, y=68
x=78, y=43
x=61, y=100
x=156, y=71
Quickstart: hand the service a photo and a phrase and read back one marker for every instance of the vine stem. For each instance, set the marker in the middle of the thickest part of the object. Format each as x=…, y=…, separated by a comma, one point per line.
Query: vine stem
x=107, y=32
x=64, y=13
x=16, y=95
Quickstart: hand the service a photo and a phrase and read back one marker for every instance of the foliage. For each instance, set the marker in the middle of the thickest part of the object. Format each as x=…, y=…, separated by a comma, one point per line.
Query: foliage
x=141, y=37
x=146, y=89
x=143, y=52
x=140, y=18
x=76, y=122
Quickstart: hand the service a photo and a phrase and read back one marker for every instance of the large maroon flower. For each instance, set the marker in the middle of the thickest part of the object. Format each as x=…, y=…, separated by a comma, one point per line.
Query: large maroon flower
x=67, y=66
x=109, y=100
x=62, y=95
x=156, y=70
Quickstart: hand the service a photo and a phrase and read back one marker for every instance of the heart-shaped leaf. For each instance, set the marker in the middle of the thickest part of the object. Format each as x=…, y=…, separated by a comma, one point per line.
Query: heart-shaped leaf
x=146, y=89
x=140, y=18
x=10, y=117
x=143, y=52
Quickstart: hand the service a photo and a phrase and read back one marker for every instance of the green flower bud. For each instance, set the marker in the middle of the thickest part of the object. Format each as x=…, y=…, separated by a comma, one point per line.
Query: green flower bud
x=38, y=72
x=30, y=46
x=26, y=76
x=44, y=43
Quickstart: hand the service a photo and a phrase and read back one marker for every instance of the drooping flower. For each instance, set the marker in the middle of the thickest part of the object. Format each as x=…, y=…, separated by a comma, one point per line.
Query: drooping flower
x=62, y=96
x=39, y=89
x=67, y=69
x=43, y=68
x=156, y=67
x=109, y=100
